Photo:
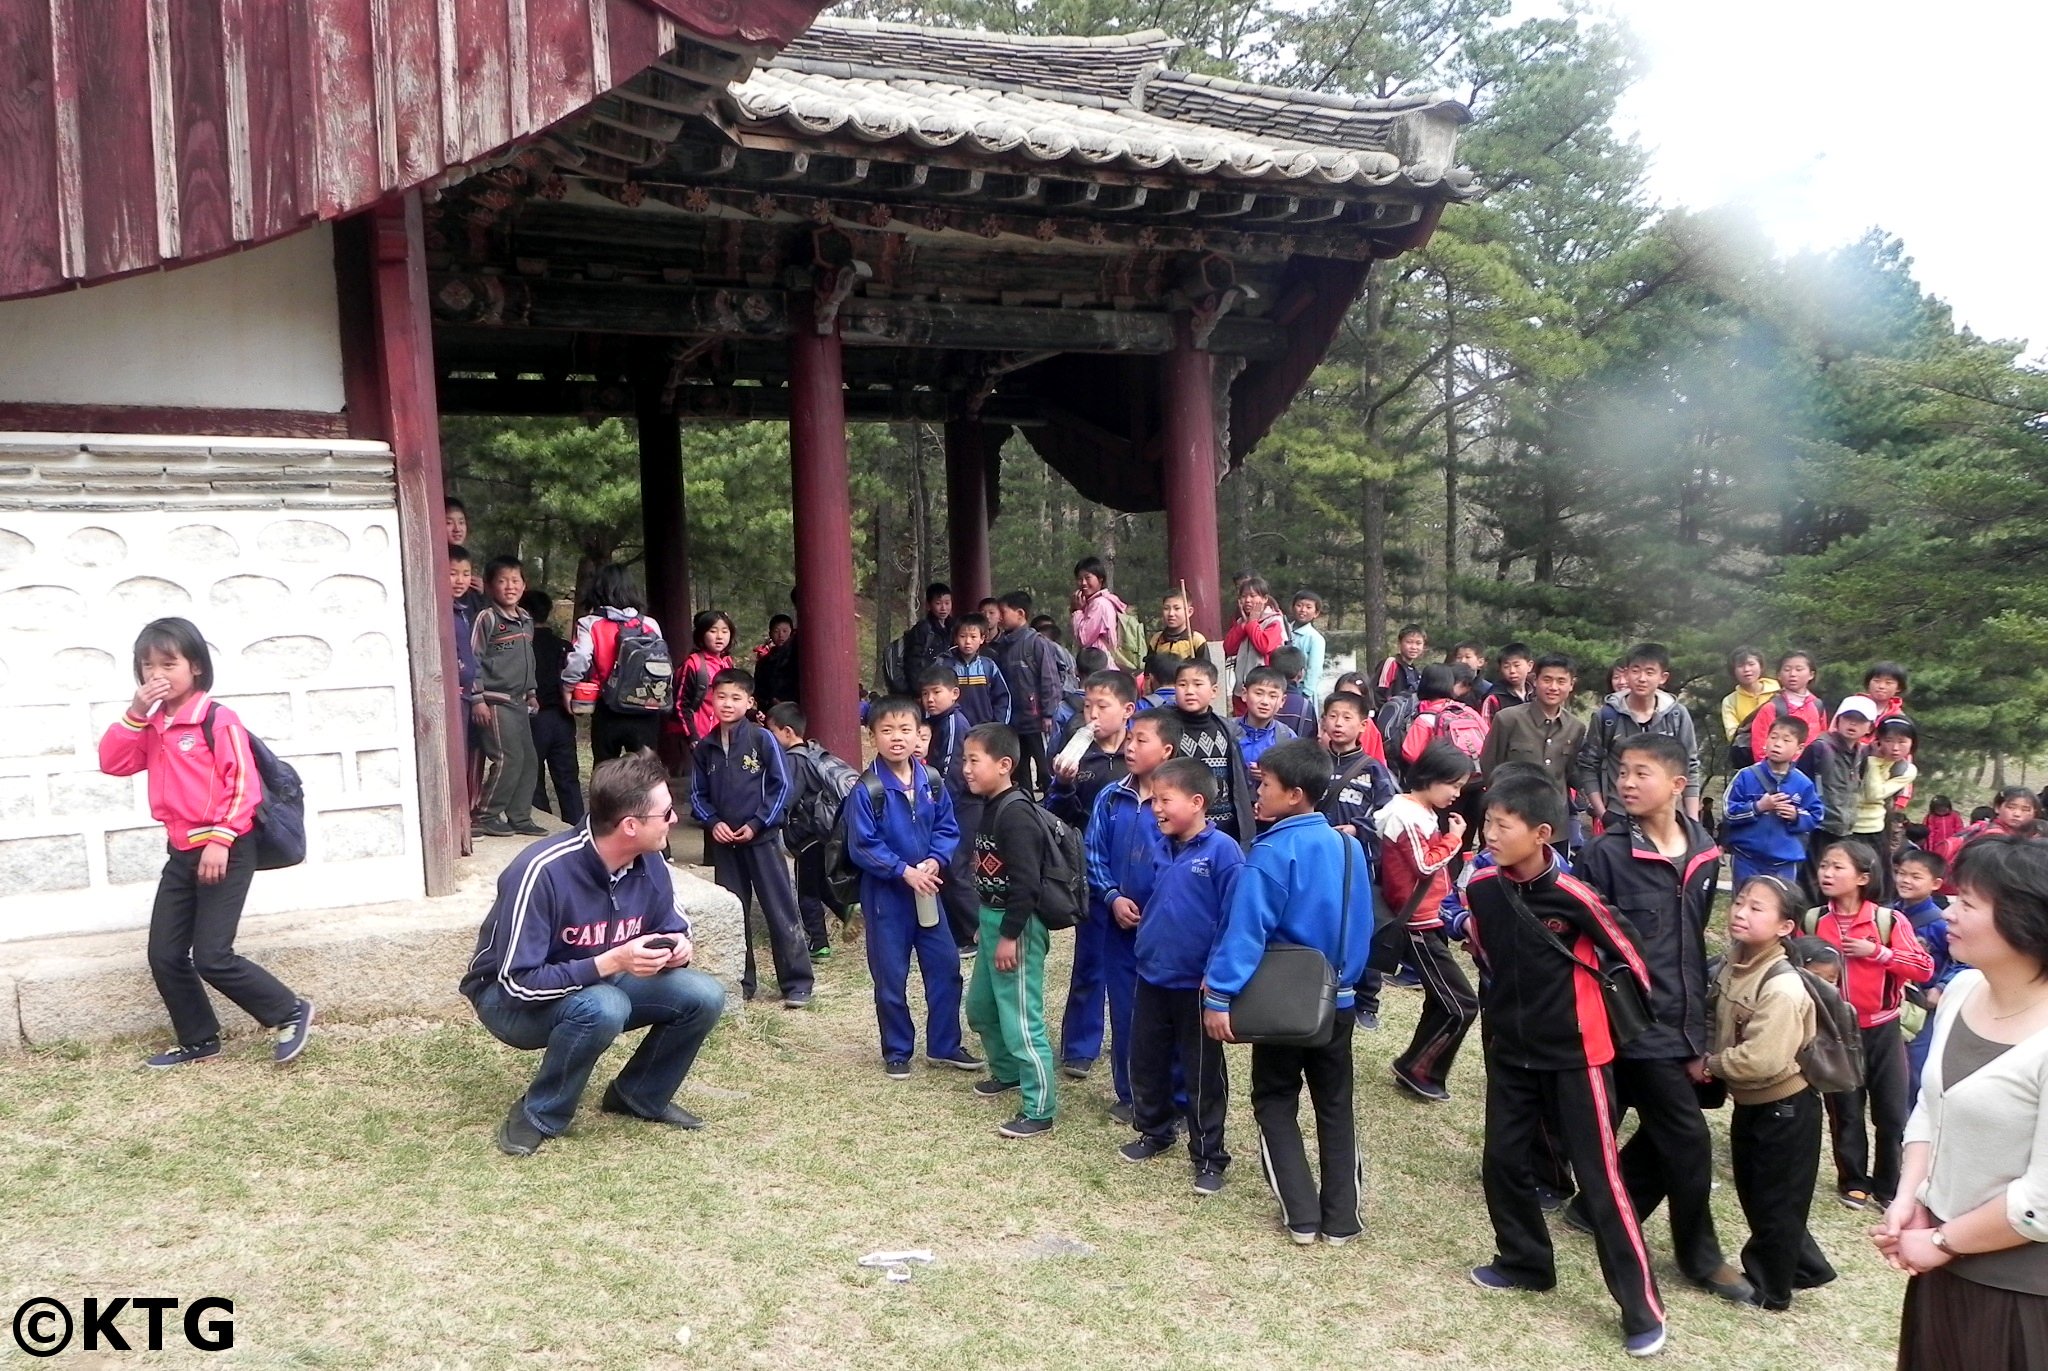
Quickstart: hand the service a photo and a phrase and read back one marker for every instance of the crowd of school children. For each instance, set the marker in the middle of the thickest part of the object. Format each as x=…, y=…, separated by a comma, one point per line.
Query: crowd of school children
x=1187, y=808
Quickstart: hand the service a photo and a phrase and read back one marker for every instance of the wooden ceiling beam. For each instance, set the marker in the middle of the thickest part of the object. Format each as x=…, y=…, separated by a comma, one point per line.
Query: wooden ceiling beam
x=596, y=307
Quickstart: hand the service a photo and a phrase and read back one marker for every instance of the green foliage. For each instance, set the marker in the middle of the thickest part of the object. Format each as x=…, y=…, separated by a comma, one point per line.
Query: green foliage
x=1576, y=417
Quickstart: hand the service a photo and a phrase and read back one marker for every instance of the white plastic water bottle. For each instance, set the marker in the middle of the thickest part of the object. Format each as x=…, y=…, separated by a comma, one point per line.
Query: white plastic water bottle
x=927, y=910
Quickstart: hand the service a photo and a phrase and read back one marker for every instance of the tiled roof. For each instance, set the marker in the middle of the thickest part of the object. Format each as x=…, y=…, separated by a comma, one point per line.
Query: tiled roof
x=1096, y=102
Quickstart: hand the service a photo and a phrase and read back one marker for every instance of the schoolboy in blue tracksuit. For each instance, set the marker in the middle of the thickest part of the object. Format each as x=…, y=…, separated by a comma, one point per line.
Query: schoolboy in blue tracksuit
x=1771, y=807
x=984, y=690
x=939, y=695
x=1108, y=700
x=1125, y=848
x=740, y=793
x=1917, y=876
x=902, y=853
x=1175, y=936
x=1291, y=890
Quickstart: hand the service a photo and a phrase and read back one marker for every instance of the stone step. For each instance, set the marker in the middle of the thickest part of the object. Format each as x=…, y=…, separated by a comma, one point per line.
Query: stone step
x=356, y=964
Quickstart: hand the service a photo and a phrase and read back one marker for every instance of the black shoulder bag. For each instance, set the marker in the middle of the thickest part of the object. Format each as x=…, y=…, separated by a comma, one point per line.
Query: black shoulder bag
x=1291, y=1000
x=1628, y=1016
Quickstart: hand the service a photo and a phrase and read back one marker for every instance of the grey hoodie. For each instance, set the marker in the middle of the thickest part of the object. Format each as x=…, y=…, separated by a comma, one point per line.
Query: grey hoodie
x=1599, y=760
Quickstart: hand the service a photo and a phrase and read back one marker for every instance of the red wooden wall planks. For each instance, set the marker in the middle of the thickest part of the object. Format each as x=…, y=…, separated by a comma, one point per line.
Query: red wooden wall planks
x=142, y=133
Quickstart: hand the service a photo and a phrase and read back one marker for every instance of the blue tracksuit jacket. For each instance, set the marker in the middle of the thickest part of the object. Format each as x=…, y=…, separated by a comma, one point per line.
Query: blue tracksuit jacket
x=1186, y=909
x=1253, y=741
x=1125, y=846
x=984, y=690
x=1766, y=837
x=744, y=783
x=1289, y=891
x=917, y=822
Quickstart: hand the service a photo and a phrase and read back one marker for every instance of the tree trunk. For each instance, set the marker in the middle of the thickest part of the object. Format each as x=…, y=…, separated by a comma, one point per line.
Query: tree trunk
x=1373, y=492
x=1450, y=469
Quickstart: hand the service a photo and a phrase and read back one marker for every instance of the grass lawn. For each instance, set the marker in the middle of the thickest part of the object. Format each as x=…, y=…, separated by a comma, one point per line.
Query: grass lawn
x=355, y=1211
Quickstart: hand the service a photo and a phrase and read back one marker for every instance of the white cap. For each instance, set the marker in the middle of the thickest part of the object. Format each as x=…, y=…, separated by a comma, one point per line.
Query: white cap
x=1858, y=704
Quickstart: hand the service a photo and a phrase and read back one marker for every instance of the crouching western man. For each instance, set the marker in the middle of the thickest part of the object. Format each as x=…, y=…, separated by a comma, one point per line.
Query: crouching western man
x=584, y=943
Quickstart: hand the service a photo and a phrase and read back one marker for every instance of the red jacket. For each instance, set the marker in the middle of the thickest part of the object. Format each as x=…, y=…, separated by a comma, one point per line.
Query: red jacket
x=1775, y=708
x=1414, y=851
x=1876, y=985
x=200, y=795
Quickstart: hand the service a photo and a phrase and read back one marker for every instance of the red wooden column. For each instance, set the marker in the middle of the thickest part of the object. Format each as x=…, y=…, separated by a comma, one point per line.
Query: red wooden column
x=822, y=499
x=967, y=515
x=663, y=526
x=402, y=381
x=1193, y=554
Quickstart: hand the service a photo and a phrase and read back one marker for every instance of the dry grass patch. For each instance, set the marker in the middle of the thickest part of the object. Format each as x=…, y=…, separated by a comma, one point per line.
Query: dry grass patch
x=355, y=1210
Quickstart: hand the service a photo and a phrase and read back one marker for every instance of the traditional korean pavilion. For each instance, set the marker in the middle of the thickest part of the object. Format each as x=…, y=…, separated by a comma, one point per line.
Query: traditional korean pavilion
x=682, y=210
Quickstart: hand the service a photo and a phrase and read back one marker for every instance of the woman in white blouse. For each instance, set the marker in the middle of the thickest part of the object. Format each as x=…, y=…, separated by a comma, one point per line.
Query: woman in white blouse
x=1971, y=1220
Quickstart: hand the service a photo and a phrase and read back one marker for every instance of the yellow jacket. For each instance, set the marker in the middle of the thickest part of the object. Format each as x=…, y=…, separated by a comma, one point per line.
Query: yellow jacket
x=1738, y=704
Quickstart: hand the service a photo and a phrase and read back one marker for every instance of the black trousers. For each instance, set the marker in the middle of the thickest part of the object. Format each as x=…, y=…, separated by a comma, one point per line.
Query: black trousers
x=1951, y=1323
x=554, y=740
x=755, y=871
x=1278, y=1073
x=612, y=735
x=1449, y=1008
x=956, y=896
x=814, y=896
x=1776, y=1157
x=192, y=941
x=1670, y=1156
x=1032, y=764
x=1576, y=1107
x=1885, y=1098
x=1165, y=1024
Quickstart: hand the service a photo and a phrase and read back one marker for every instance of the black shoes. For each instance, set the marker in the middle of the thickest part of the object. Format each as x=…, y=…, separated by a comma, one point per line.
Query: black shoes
x=674, y=1115
x=991, y=1088
x=1022, y=1127
x=517, y=1137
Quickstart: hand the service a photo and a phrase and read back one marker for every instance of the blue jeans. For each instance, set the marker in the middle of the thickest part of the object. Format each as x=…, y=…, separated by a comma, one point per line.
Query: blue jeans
x=678, y=1008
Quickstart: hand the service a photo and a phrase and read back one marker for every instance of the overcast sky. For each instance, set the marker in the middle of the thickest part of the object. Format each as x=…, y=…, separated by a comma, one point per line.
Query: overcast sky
x=1823, y=118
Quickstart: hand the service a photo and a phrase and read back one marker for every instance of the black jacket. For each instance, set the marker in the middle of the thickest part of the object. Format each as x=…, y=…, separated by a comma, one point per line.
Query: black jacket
x=1009, y=860
x=1073, y=801
x=1836, y=767
x=1665, y=904
x=1033, y=674
x=924, y=643
x=1539, y=1012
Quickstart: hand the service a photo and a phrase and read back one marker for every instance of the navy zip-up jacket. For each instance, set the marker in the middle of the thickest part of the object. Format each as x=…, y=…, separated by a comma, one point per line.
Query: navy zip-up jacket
x=949, y=748
x=557, y=910
x=744, y=783
x=1033, y=673
x=1073, y=801
x=1290, y=891
x=984, y=690
x=1124, y=845
x=917, y=823
x=1665, y=905
x=1184, y=915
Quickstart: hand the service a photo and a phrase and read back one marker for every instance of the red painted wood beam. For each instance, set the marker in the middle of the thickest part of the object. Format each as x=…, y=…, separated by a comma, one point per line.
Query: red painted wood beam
x=1188, y=474
x=412, y=425
x=823, y=514
x=967, y=514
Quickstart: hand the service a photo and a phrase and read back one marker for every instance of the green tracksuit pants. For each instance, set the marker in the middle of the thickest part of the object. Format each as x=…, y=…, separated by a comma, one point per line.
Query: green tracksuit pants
x=1007, y=1008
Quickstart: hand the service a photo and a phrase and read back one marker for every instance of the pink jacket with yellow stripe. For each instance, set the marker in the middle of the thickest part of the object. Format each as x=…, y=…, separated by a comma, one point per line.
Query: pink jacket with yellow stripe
x=199, y=794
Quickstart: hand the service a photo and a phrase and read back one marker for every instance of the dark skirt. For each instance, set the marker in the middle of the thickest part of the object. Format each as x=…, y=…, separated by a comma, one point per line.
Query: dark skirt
x=1953, y=1324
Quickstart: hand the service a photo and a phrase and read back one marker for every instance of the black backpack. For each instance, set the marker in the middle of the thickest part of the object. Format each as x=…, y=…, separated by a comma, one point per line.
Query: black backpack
x=1393, y=721
x=816, y=813
x=643, y=676
x=1063, y=895
x=279, y=831
x=842, y=873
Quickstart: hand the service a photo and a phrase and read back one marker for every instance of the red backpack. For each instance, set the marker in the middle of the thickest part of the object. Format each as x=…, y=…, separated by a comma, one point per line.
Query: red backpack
x=1453, y=722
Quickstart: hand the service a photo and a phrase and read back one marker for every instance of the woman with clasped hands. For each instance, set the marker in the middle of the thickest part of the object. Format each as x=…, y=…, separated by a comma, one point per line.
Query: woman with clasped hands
x=1971, y=1220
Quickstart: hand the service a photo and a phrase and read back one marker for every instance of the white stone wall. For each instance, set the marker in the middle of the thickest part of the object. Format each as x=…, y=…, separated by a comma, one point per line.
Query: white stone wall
x=285, y=554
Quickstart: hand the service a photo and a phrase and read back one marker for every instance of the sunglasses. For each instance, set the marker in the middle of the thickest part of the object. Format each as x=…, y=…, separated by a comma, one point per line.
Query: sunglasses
x=668, y=815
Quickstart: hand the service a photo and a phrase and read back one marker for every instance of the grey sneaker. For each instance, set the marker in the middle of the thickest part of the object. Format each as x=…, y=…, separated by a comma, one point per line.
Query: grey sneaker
x=292, y=1035
x=1022, y=1127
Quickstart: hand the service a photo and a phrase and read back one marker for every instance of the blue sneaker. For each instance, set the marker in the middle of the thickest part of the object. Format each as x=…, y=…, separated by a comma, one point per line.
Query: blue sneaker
x=292, y=1034
x=184, y=1053
x=1490, y=1277
x=1645, y=1344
